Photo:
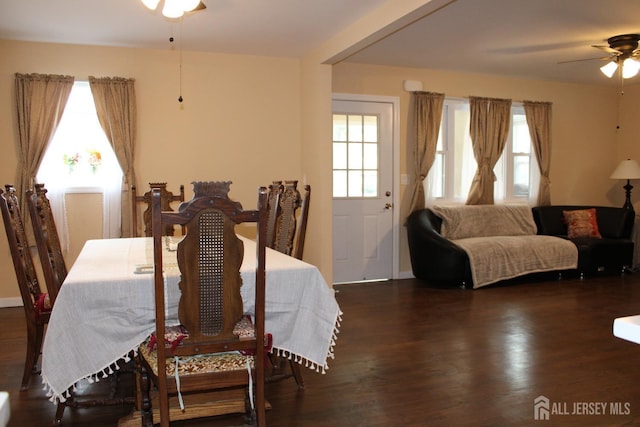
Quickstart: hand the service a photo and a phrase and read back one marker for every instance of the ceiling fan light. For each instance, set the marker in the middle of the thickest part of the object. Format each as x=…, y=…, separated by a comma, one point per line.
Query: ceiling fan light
x=609, y=69
x=189, y=5
x=630, y=68
x=151, y=4
x=173, y=9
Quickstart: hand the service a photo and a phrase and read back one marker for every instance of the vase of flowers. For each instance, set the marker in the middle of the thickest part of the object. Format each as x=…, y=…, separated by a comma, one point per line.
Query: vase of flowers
x=94, y=159
x=71, y=160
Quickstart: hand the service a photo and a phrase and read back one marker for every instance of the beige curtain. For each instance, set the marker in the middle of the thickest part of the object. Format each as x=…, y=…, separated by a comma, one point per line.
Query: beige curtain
x=426, y=116
x=539, y=121
x=40, y=101
x=116, y=107
x=489, y=127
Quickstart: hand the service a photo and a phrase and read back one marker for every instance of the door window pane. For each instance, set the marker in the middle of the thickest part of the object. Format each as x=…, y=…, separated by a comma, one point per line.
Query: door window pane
x=370, y=156
x=339, y=183
x=355, y=183
x=355, y=128
x=339, y=155
x=355, y=155
x=370, y=183
x=339, y=127
x=370, y=124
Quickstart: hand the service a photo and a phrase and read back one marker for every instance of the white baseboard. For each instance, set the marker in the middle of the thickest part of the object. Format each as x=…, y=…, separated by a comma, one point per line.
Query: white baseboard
x=408, y=274
x=10, y=302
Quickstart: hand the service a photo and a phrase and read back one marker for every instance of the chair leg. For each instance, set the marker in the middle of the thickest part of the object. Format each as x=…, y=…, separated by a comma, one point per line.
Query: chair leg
x=57, y=420
x=297, y=374
x=34, y=343
x=145, y=404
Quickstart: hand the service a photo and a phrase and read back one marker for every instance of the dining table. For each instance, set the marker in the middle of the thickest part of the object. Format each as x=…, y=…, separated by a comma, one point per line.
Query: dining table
x=105, y=309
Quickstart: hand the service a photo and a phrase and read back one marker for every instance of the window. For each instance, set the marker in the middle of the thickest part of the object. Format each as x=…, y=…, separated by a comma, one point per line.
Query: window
x=355, y=155
x=450, y=177
x=79, y=155
x=79, y=158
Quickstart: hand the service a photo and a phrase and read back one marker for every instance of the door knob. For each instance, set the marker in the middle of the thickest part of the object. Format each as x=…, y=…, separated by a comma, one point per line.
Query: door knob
x=388, y=205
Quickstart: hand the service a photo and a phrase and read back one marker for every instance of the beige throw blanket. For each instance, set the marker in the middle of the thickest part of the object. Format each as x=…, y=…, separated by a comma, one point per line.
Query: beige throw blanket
x=504, y=257
x=460, y=222
x=501, y=242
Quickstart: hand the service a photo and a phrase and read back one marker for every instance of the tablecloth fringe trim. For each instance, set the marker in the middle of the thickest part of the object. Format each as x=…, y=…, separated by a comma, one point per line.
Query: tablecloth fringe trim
x=93, y=378
x=281, y=352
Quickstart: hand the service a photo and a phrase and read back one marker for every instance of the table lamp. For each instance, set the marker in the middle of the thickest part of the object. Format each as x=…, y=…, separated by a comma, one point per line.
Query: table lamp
x=627, y=169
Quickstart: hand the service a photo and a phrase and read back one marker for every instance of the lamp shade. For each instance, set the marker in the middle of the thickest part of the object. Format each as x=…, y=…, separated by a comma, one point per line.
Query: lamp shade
x=609, y=68
x=151, y=4
x=627, y=169
x=630, y=68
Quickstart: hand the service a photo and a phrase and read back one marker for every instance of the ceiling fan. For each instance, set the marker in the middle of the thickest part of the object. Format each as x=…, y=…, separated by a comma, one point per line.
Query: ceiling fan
x=623, y=51
x=175, y=8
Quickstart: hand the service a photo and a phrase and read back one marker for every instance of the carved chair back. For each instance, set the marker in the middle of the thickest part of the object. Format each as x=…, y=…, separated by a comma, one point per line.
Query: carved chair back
x=209, y=258
x=167, y=197
x=37, y=306
x=47, y=239
x=291, y=217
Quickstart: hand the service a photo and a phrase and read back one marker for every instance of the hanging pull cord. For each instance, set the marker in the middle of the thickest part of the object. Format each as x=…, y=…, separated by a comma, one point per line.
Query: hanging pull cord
x=180, y=99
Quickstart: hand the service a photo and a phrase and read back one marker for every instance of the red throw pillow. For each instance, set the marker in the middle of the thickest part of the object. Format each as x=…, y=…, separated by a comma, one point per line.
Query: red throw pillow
x=582, y=223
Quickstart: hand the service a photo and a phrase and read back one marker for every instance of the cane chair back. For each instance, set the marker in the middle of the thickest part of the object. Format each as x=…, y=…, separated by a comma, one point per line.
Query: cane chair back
x=37, y=306
x=167, y=198
x=47, y=240
x=212, y=322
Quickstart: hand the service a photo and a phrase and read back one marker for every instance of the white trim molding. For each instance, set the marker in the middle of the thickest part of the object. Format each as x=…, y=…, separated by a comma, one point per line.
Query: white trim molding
x=10, y=302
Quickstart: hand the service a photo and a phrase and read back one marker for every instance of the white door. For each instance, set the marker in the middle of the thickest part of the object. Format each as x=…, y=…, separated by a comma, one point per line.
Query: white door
x=362, y=191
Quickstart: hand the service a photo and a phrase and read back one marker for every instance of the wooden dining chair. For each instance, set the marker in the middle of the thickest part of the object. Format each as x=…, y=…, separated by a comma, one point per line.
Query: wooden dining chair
x=273, y=208
x=288, y=217
x=303, y=219
x=216, y=347
x=167, y=198
x=37, y=305
x=47, y=239
x=291, y=219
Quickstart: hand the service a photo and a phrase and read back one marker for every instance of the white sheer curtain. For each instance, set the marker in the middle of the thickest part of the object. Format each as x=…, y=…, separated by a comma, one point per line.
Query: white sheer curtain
x=112, y=208
x=56, y=195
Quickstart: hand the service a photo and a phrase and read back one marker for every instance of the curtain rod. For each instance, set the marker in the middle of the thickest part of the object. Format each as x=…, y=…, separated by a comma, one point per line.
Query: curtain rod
x=463, y=98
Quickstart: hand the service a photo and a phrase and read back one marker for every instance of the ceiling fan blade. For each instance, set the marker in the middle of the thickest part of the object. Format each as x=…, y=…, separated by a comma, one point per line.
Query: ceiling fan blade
x=201, y=6
x=586, y=59
x=607, y=49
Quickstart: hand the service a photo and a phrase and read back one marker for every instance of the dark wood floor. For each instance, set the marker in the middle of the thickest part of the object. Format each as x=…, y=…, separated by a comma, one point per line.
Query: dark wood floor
x=413, y=355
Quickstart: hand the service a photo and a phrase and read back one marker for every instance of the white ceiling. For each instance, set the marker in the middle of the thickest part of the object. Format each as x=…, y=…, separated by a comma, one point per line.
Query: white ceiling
x=520, y=38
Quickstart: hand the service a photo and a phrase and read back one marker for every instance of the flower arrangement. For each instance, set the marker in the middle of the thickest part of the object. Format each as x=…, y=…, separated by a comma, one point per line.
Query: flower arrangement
x=71, y=160
x=94, y=159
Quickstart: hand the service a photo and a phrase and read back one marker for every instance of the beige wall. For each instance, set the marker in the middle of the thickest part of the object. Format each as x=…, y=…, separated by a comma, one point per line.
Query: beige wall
x=253, y=119
x=586, y=145
x=240, y=121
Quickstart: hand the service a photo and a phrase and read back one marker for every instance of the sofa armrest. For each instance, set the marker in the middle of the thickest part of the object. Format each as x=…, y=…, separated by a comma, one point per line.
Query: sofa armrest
x=434, y=257
x=615, y=223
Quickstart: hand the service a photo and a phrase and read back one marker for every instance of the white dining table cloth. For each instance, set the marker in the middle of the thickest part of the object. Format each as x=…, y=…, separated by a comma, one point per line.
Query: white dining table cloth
x=105, y=309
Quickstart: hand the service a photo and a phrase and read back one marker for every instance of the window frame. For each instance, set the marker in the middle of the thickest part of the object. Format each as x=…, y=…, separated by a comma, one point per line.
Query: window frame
x=446, y=157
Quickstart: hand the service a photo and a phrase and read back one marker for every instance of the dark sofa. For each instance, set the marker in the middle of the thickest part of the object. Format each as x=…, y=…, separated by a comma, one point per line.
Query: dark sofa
x=439, y=260
x=613, y=252
x=433, y=257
